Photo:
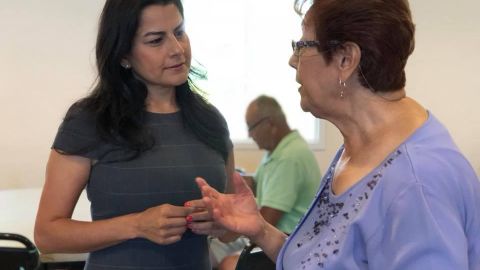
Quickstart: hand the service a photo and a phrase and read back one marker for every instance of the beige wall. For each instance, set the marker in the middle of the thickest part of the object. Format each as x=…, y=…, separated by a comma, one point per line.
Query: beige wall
x=47, y=47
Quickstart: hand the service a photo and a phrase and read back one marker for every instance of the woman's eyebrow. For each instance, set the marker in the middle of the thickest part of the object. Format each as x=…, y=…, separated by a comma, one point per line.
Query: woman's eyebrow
x=158, y=33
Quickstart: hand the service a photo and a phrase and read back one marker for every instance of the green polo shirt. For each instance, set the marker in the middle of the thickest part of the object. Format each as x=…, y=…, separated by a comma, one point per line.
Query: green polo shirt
x=287, y=180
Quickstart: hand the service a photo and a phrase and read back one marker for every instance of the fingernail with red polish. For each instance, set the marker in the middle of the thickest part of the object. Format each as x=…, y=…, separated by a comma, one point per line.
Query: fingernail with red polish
x=187, y=204
x=189, y=219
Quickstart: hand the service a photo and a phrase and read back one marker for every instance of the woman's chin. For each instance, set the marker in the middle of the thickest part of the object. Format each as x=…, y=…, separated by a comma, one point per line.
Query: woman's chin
x=178, y=81
x=304, y=105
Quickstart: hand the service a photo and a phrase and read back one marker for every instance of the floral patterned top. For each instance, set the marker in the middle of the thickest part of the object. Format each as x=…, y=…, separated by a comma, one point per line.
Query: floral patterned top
x=419, y=209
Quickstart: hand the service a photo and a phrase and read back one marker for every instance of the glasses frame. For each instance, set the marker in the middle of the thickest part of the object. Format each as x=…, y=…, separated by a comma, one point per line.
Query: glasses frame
x=256, y=124
x=297, y=46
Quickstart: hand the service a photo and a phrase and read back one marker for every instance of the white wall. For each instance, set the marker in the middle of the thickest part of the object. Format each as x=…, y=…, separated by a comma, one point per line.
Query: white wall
x=46, y=52
x=443, y=72
x=47, y=62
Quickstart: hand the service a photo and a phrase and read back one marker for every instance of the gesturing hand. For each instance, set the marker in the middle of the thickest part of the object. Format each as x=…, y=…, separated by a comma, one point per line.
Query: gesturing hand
x=237, y=212
x=163, y=224
x=200, y=221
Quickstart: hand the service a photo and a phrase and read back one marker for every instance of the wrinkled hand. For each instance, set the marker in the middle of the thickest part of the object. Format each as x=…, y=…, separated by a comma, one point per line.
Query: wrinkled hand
x=200, y=221
x=236, y=212
x=163, y=224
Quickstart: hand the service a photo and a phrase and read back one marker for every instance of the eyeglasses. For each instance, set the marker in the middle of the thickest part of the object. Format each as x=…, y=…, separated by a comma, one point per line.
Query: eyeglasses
x=297, y=46
x=256, y=124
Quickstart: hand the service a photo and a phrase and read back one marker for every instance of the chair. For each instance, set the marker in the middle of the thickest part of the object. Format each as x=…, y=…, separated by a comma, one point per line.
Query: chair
x=18, y=258
x=253, y=258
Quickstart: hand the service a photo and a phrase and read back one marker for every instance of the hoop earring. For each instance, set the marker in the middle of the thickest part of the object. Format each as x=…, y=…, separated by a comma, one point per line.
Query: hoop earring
x=343, y=85
x=126, y=66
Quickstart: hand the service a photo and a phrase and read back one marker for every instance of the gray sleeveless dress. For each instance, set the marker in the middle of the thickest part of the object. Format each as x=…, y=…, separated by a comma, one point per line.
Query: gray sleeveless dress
x=164, y=174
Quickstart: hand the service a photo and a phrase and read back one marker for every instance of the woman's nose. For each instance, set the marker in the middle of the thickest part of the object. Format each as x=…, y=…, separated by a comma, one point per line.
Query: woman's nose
x=176, y=46
x=293, y=61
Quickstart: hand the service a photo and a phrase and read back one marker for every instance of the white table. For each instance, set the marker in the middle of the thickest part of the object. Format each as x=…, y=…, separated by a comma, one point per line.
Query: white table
x=18, y=209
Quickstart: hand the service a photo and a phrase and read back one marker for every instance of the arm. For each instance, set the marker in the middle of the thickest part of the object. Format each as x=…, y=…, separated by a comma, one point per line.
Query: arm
x=230, y=236
x=271, y=215
x=270, y=239
x=422, y=229
x=55, y=231
x=238, y=213
x=250, y=182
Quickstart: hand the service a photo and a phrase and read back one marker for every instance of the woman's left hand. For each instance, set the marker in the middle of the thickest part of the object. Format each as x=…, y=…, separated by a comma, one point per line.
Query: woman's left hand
x=201, y=221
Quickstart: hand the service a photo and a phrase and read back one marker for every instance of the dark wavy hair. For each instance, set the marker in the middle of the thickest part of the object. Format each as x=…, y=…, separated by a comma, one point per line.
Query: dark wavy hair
x=383, y=29
x=118, y=98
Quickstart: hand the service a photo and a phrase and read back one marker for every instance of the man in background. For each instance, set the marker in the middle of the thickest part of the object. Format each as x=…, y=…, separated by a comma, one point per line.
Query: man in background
x=288, y=176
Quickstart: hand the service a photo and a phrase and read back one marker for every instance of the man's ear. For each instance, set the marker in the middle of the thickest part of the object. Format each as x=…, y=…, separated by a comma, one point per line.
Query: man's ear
x=347, y=59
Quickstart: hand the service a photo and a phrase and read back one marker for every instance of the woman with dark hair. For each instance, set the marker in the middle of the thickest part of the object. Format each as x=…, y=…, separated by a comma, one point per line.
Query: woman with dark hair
x=136, y=143
x=398, y=194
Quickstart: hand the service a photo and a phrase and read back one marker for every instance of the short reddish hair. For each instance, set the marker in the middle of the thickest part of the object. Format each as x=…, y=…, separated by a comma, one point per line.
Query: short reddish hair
x=383, y=29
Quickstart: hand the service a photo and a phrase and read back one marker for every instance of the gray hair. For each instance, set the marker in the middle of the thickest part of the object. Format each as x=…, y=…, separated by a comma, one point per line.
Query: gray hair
x=268, y=106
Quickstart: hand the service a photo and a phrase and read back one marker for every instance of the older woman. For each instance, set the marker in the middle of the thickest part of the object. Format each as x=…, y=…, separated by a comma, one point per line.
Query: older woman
x=398, y=194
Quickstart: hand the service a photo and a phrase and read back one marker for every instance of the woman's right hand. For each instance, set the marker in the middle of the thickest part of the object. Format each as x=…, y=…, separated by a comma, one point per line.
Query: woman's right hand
x=236, y=212
x=164, y=224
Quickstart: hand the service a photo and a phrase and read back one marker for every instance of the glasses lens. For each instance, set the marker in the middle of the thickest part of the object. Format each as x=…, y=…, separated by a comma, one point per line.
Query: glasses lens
x=298, y=46
x=256, y=124
x=293, y=47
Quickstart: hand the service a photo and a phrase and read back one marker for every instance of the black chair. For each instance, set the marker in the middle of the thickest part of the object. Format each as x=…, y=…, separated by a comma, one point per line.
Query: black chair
x=253, y=258
x=18, y=258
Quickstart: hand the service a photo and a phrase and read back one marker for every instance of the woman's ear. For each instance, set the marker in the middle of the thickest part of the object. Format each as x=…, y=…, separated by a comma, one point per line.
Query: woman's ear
x=125, y=64
x=347, y=59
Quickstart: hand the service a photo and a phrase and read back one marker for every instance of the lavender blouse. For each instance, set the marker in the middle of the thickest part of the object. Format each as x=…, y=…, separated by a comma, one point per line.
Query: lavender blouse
x=418, y=210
